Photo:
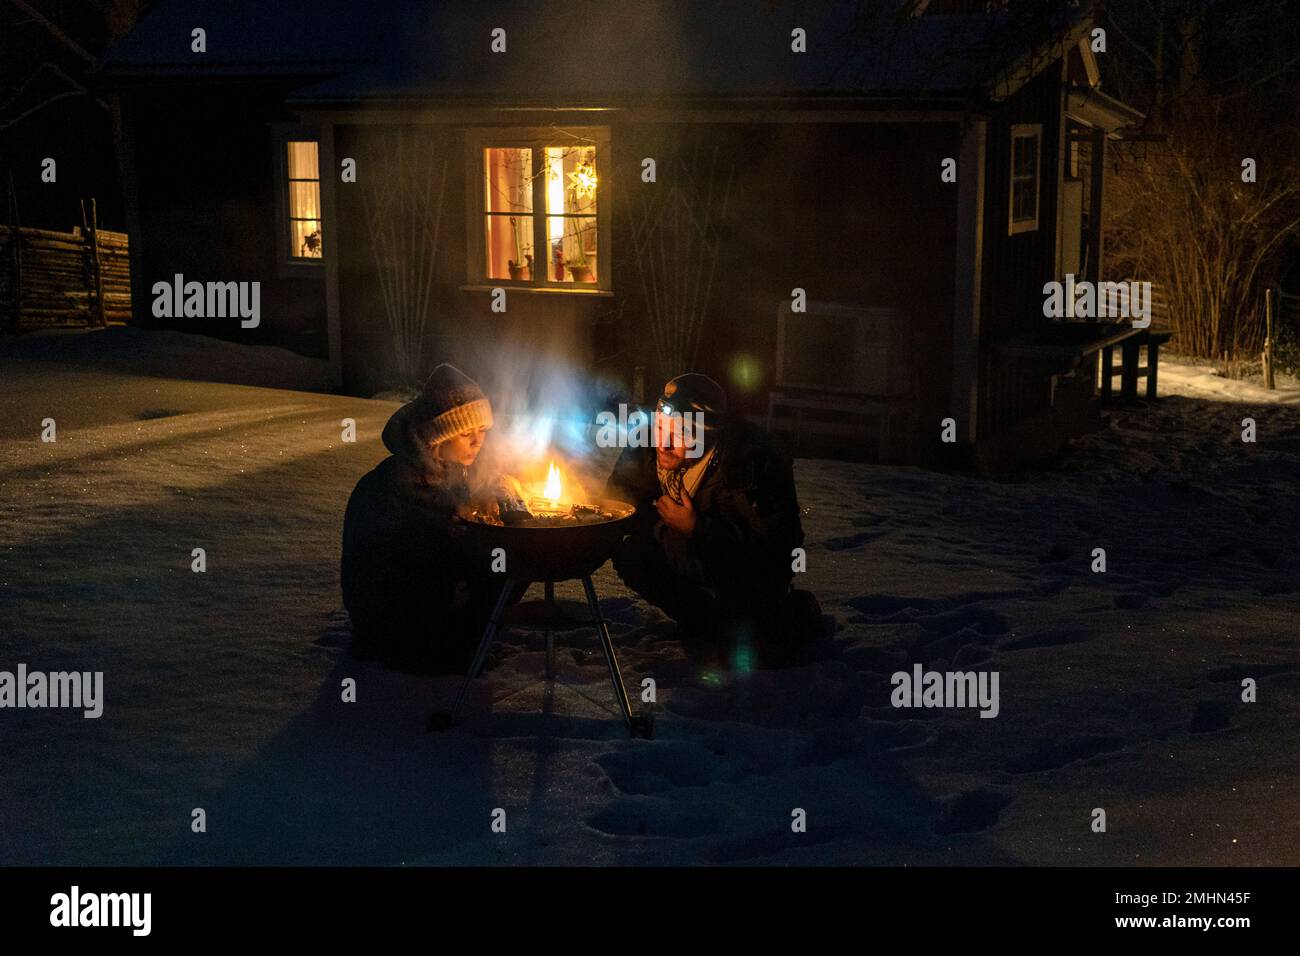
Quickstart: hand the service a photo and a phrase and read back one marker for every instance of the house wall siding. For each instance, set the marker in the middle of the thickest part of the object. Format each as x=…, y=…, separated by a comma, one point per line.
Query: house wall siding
x=206, y=190
x=852, y=212
x=460, y=326
x=1016, y=266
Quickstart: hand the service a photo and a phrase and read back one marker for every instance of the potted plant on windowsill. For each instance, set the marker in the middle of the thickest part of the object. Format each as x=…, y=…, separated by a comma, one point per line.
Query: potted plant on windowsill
x=522, y=272
x=578, y=266
x=311, y=245
x=521, y=266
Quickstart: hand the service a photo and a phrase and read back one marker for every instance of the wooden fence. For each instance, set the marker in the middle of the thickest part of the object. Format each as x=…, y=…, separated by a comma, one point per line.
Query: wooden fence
x=50, y=279
x=1159, y=304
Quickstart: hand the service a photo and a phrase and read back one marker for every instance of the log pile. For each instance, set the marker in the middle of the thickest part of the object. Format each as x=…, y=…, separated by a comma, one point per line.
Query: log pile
x=50, y=279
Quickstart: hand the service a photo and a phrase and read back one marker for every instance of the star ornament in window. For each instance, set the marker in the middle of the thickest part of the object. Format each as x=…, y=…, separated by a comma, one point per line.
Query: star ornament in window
x=584, y=181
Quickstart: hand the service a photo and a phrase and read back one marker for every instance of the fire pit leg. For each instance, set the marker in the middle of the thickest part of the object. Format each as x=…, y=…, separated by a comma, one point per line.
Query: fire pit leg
x=442, y=721
x=636, y=726
x=549, y=589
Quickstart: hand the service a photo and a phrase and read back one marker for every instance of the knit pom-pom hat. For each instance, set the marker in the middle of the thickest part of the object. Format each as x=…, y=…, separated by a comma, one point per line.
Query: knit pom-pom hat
x=450, y=404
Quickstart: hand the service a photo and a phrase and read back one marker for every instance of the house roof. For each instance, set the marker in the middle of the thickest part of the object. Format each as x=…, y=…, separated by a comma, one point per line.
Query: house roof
x=593, y=52
x=244, y=38
x=1097, y=109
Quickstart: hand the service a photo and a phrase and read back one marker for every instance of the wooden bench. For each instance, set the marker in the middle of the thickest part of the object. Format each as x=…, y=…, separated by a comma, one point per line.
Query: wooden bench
x=1061, y=347
x=801, y=401
x=1129, y=371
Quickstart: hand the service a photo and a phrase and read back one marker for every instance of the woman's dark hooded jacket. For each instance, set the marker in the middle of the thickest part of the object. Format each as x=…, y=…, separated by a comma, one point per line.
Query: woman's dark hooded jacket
x=408, y=586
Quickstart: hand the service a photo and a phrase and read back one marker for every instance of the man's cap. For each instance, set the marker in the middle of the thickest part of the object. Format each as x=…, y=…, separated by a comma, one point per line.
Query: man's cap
x=693, y=392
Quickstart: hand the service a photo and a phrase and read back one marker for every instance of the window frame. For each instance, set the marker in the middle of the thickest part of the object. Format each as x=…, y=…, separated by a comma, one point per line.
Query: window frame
x=536, y=138
x=288, y=265
x=1024, y=131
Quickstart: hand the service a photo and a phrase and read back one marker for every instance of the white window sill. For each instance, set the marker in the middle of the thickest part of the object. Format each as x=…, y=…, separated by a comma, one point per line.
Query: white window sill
x=301, y=269
x=553, y=290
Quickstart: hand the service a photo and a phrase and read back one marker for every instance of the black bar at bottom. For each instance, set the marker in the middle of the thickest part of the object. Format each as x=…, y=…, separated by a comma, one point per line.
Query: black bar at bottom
x=995, y=905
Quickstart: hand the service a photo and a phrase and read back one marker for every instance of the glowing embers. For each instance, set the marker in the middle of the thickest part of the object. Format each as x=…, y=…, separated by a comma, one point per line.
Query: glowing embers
x=545, y=504
x=551, y=502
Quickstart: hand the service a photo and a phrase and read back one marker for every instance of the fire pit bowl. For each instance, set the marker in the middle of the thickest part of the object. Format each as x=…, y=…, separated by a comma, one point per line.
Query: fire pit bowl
x=555, y=551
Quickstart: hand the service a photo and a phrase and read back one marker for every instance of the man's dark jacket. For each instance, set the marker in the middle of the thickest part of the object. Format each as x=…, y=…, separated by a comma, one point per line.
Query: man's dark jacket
x=747, y=513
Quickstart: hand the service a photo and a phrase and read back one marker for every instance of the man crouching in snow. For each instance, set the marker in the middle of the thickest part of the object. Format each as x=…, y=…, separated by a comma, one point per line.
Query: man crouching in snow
x=717, y=526
x=416, y=599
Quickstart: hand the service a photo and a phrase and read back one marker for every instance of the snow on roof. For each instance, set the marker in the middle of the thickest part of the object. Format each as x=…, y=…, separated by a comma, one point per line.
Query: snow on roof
x=580, y=52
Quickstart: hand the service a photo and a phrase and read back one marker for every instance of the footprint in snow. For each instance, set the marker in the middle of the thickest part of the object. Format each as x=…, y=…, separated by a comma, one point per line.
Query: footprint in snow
x=1210, y=715
x=656, y=817
x=664, y=766
x=1052, y=755
x=971, y=812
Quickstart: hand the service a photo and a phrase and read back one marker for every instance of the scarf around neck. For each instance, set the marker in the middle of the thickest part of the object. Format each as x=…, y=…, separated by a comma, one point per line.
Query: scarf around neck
x=672, y=481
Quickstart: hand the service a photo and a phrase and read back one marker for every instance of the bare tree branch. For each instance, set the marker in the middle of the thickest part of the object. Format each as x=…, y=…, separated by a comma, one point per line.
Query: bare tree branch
x=54, y=30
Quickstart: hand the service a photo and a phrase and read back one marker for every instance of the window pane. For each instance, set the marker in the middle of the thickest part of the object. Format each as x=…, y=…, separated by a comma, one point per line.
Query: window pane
x=573, y=248
x=1022, y=200
x=1025, y=155
x=571, y=180
x=302, y=161
x=304, y=200
x=509, y=247
x=306, y=238
x=508, y=180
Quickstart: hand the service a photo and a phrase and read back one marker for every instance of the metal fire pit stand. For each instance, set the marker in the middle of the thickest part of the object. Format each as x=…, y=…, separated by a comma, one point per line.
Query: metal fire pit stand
x=549, y=617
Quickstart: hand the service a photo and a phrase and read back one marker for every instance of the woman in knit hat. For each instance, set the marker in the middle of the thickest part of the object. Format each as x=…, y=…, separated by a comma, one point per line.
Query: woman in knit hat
x=416, y=599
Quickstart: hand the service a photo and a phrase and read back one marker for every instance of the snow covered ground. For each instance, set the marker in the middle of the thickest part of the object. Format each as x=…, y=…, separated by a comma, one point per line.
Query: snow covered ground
x=1199, y=380
x=223, y=690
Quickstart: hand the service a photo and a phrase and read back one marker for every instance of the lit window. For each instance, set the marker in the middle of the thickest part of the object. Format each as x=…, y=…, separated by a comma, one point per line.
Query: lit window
x=570, y=214
x=542, y=216
x=1026, y=140
x=304, y=200
x=508, y=202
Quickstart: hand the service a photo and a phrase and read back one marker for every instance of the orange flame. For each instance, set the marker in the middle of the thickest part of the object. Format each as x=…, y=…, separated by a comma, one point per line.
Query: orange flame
x=553, y=488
